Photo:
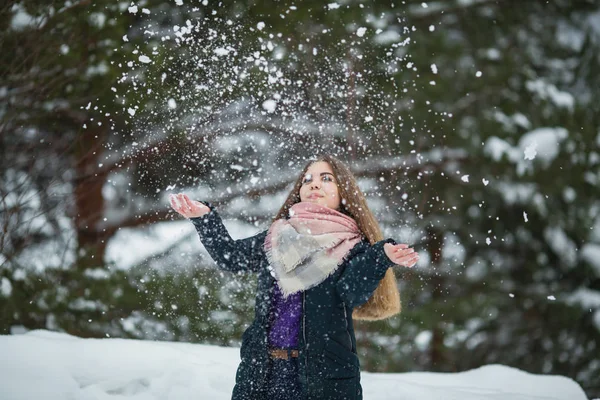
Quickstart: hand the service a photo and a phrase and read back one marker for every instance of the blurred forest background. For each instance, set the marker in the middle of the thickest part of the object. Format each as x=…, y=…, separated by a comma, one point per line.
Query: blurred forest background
x=473, y=126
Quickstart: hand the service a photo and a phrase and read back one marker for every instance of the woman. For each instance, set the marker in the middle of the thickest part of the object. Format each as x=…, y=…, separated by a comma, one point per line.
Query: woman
x=321, y=263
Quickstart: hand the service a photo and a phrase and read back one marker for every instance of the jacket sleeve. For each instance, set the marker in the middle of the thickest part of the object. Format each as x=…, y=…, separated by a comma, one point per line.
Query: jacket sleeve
x=228, y=254
x=362, y=274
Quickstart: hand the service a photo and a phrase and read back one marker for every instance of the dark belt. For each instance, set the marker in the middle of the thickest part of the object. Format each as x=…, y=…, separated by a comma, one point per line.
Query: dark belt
x=283, y=354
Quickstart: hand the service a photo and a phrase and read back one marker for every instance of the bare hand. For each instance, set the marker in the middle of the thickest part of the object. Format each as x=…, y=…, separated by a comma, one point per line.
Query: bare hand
x=187, y=207
x=401, y=254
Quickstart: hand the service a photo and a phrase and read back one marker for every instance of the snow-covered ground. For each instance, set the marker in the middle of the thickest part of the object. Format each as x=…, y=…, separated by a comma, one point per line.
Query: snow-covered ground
x=52, y=366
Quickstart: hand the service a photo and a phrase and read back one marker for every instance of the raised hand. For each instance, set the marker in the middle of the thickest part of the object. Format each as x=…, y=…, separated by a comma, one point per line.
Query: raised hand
x=401, y=254
x=187, y=207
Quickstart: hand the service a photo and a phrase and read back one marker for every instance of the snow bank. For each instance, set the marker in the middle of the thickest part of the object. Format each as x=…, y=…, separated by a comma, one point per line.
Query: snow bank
x=54, y=366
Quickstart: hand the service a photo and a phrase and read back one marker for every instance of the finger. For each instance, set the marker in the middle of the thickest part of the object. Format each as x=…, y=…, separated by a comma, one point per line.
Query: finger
x=189, y=202
x=175, y=203
x=177, y=207
x=411, y=256
x=405, y=260
x=401, y=247
x=413, y=262
x=404, y=252
x=183, y=208
x=197, y=205
x=184, y=205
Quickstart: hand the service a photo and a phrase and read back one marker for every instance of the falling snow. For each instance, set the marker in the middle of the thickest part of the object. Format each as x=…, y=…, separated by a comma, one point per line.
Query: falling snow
x=269, y=105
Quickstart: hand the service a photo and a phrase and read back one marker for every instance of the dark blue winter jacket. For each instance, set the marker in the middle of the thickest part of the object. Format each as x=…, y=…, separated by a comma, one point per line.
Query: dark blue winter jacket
x=328, y=364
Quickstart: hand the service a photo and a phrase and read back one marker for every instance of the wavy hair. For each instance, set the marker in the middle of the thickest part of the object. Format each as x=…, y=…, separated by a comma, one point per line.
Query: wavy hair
x=385, y=301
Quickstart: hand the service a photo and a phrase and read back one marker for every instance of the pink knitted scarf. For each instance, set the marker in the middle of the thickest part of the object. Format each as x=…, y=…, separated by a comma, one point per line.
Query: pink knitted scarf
x=309, y=246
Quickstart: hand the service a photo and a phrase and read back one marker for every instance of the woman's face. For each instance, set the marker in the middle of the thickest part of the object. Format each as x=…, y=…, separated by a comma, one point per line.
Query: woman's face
x=319, y=186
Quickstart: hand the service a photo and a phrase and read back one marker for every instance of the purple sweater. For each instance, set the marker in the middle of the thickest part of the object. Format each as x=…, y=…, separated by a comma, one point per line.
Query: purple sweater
x=285, y=320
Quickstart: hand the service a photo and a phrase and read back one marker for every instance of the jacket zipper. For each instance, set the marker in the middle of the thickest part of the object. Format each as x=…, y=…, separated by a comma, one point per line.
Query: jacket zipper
x=346, y=320
x=304, y=335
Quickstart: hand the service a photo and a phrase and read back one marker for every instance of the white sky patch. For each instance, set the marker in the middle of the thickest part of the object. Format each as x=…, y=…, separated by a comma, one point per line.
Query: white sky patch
x=21, y=19
x=478, y=74
x=525, y=216
x=485, y=182
x=260, y=26
x=172, y=104
x=464, y=178
x=431, y=28
x=5, y=287
x=434, y=68
x=145, y=11
x=424, y=5
x=269, y=105
x=125, y=38
x=179, y=2
x=98, y=19
x=131, y=111
x=551, y=298
x=144, y=59
x=368, y=118
x=423, y=339
x=493, y=54
x=360, y=32
x=531, y=151
x=133, y=9
x=333, y=6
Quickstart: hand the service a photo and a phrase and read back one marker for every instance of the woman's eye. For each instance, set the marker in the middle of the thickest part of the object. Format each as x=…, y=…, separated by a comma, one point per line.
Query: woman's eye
x=328, y=178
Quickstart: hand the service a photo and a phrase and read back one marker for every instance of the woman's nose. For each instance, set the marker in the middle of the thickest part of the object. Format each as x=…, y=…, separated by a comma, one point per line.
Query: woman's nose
x=314, y=184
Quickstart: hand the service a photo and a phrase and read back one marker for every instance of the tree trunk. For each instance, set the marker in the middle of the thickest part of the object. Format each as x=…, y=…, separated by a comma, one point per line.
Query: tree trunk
x=89, y=202
x=434, y=248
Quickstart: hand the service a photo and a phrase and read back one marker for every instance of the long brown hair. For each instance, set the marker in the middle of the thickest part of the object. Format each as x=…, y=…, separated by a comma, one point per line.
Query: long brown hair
x=385, y=301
